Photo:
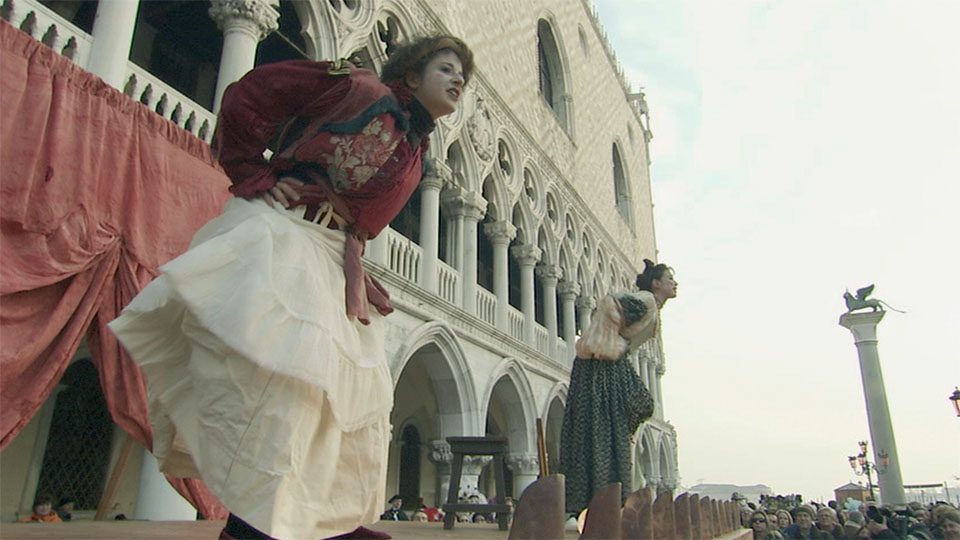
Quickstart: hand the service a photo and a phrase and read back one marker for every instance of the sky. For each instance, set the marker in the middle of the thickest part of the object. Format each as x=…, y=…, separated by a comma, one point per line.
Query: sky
x=801, y=149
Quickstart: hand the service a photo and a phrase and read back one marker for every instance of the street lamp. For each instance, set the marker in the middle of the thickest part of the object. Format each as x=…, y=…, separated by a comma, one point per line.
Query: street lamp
x=862, y=467
x=955, y=398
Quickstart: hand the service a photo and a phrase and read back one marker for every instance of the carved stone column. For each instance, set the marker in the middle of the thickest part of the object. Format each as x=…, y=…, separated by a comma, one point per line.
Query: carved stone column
x=586, y=305
x=470, y=473
x=244, y=24
x=469, y=209
x=113, y=28
x=661, y=371
x=441, y=456
x=550, y=274
x=863, y=326
x=652, y=377
x=568, y=297
x=527, y=257
x=525, y=468
x=433, y=180
x=501, y=234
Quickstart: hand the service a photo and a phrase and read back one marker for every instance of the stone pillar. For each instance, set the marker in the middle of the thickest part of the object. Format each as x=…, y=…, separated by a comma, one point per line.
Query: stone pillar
x=470, y=473
x=550, y=274
x=244, y=24
x=113, y=28
x=156, y=498
x=661, y=371
x=441, y=456
x=501, y=234
x=527, y=257
x=469, y=209
x=863, y=326
x=586, y=305
x=525, y=468
x=652, y=378
x=568, y=297
x=437, y=174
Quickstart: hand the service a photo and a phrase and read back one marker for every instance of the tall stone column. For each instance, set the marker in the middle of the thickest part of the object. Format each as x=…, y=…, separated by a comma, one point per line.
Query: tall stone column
x=525, y=468
x=550, y=274
x=586, y=305
x=568, y=297
x=863, y=326
x=652, y=378
x=527, y=257
x=156, y=498
x=113, y=28
x=501, y=233
x=436, y=176
x=470, y=209
x=244, y=24
x=661, y=371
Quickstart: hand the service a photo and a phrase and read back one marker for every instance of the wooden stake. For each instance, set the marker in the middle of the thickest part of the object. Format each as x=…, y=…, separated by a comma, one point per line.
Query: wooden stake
x=106, y=501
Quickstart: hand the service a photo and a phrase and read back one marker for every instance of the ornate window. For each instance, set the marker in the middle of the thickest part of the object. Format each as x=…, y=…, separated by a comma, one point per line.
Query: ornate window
x=621, y=187
x=551, y=72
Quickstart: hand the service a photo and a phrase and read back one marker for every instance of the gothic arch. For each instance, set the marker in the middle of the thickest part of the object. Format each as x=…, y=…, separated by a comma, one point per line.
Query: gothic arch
x=518, y=392
x=449, y=373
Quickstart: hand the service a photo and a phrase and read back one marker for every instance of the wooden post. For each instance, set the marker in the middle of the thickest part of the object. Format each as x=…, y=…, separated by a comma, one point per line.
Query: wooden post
x=663, y=518
x=636, y=519
x=706, y=518
x=696, y=520
x=681, y=516
x=106, y=501
x=542, y=450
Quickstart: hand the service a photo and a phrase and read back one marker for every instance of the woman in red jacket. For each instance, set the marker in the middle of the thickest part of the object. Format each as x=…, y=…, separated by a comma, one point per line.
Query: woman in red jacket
x=266, y=371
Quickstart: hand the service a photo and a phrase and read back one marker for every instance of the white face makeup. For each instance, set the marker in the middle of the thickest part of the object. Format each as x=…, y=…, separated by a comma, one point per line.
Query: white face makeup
x=440, y=87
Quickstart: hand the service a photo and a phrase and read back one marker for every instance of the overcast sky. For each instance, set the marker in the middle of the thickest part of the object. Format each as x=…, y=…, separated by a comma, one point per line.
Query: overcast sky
x=802, y=148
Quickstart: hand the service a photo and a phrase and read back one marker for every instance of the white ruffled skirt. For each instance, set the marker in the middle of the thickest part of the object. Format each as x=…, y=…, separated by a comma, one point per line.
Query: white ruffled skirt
x=258, y=382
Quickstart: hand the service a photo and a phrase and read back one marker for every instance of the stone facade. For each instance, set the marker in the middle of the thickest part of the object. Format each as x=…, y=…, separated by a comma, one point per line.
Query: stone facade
x=535, y=203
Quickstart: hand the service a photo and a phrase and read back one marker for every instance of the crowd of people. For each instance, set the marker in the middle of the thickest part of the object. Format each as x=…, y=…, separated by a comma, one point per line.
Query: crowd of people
x=45, y=512
x=914, y=521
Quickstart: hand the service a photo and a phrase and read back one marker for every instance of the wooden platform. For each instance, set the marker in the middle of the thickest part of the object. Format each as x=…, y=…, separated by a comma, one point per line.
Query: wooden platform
x=209, y=530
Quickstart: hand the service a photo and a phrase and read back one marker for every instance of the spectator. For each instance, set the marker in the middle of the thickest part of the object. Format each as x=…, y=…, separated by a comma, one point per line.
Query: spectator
x=827, y=522
x=784, y=520
x=853, y=524
x=763, y=527
x=745, y=513
x=419, y=515
x=43, y=511
x=949, y=524
x=803, y=528
x=65, y=508
x=877, y=519
x=394, y=513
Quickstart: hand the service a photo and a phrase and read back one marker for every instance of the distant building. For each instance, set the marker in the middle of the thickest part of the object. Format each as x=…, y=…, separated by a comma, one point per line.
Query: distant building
x=853, y=491
x=724, y=492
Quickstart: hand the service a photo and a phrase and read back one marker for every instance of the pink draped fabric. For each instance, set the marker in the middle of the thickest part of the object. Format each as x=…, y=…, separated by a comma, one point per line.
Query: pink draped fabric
x=96, y=192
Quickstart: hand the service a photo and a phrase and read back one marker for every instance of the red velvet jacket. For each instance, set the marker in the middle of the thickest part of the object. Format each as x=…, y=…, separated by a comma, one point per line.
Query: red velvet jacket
x=340, y=129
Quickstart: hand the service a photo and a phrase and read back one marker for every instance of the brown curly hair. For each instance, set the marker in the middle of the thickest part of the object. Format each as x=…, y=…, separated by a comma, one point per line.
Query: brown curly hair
x=412, y=57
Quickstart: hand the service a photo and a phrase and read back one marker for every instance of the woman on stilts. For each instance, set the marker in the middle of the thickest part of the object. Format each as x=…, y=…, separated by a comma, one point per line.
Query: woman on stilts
x=607, y=400
x=265, y=366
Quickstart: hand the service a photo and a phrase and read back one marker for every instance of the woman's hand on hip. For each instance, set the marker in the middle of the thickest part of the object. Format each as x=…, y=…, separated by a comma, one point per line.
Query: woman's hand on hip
x=284, y=192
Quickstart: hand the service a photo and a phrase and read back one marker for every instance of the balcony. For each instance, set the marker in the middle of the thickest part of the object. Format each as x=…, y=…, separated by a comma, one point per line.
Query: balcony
x=62, y=36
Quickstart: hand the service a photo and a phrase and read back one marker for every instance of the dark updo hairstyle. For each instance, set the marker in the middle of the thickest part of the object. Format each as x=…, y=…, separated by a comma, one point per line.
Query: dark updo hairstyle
x=412, y=57
x=651, y=272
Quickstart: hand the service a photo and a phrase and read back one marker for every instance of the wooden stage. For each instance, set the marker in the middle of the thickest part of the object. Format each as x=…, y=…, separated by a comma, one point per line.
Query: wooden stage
x=209, y=530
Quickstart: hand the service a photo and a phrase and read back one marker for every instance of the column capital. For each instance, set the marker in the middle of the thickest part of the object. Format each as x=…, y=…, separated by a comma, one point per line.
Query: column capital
x=527, y=254
x=465, y=204
x=587, y=302
x=260, y=17
x=500, y=232
x=440, y=452
x=472, y=465
x=569, y=290
x=863, y=326
x=436, y=174
x=523, y=463
x=549, y=273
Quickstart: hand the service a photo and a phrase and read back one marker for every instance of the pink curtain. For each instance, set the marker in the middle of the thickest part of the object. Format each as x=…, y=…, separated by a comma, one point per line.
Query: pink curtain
x=96, y=192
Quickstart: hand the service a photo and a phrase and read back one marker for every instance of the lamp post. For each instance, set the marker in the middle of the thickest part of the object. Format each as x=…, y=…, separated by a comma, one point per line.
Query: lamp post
x=863, y=467
x=955, y=398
